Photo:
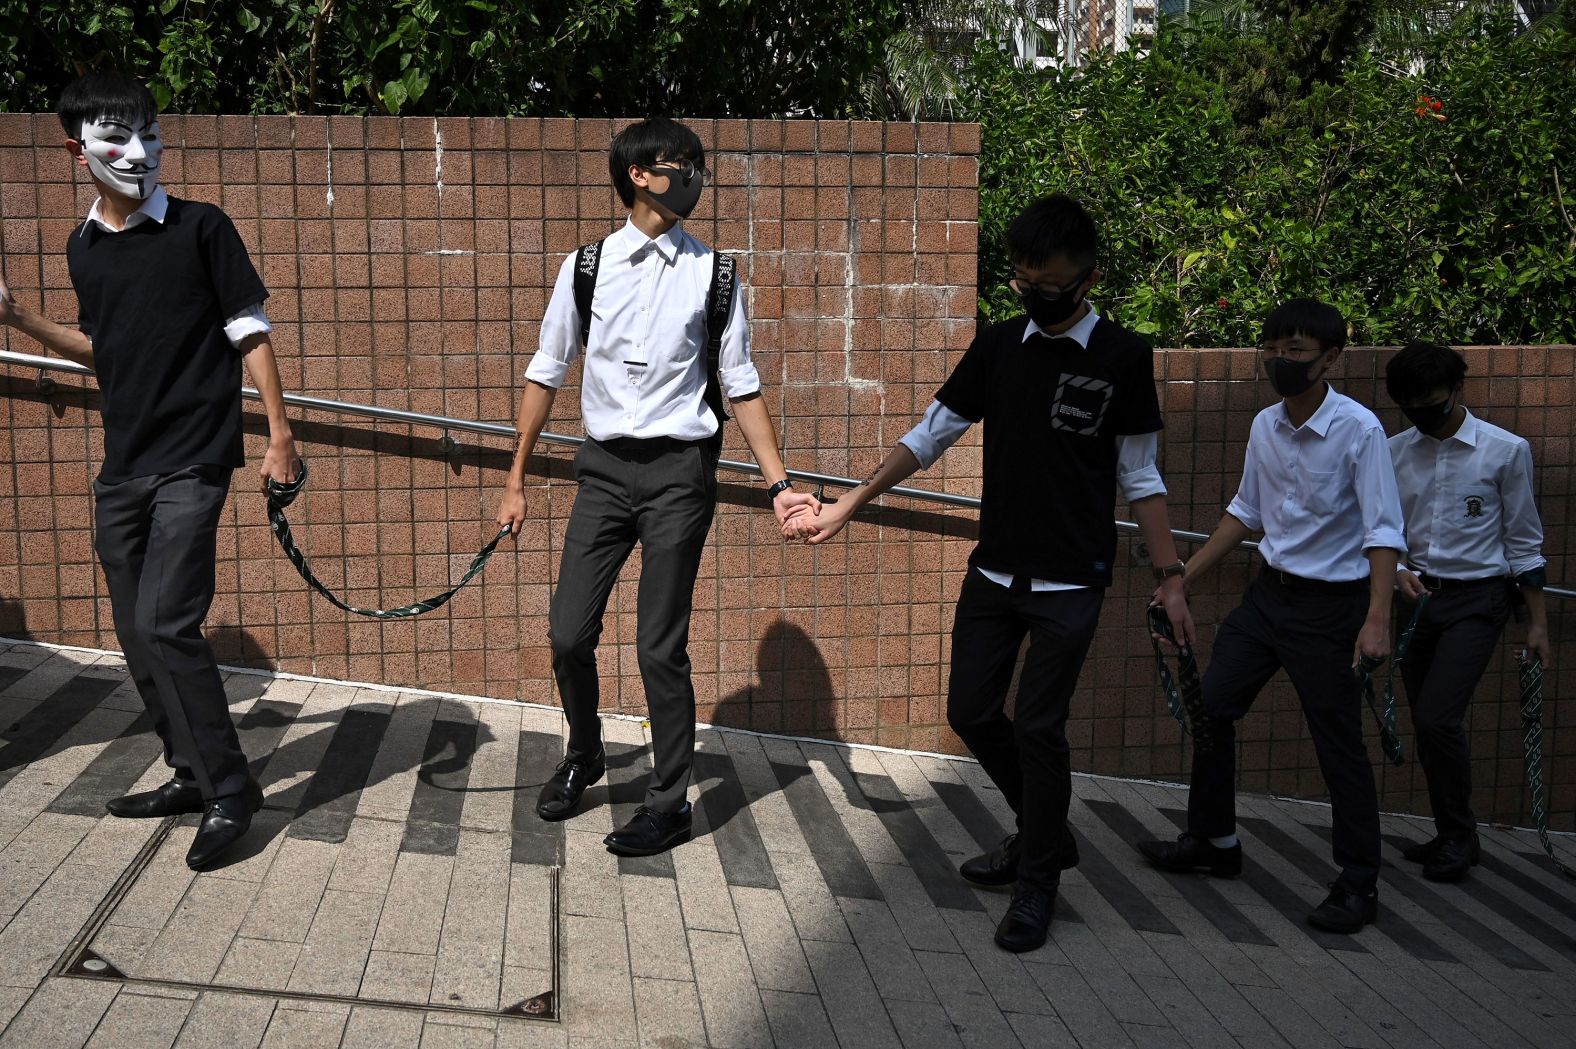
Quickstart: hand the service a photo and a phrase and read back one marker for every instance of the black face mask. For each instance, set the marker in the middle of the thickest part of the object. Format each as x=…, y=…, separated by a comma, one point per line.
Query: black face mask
x=1289, y=378
x=1048, y=312
x=684, y=186
x=1428, y=417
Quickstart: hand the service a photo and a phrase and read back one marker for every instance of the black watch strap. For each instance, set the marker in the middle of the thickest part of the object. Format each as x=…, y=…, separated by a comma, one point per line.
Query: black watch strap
x=777, y=489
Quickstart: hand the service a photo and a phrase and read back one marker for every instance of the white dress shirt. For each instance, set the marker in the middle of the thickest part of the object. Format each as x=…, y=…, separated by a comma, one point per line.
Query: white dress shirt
x=249, y=321
x=1322, y=493
x=645, y=370
x=1467, y=502
x=1137, y=474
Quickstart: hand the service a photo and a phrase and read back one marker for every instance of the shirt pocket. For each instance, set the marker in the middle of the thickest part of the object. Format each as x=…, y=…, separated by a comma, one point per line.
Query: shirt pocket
x=1474, y=504
x=1319, y=491
x=677, y=334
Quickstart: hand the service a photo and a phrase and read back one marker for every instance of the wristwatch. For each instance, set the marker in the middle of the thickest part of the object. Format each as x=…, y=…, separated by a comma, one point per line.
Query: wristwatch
x=777, y=489
x=1162, y=573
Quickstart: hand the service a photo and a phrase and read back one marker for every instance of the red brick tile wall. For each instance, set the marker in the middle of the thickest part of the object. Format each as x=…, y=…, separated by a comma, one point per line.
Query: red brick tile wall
x=409, y=262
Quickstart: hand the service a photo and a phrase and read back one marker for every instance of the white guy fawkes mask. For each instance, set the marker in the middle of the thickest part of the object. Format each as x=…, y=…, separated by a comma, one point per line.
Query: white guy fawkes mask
x=123, y=157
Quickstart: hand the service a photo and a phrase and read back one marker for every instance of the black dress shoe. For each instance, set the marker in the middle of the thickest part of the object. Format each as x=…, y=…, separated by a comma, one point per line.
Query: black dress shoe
x=175, y=798
x=1345, y=911
x=1027, y=923
x=561, y=794
x=999, y=866
x=1419, y=852
x=1189, y=854
x=1452, y=858
x=650, y=832
x=224, y=821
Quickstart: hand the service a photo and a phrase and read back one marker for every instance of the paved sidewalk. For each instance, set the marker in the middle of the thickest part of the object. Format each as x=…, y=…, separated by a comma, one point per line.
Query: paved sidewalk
x=398, y=890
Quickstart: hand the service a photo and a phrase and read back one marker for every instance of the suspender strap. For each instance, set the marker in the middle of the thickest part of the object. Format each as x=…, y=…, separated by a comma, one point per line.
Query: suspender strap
x=282, y=495
x=719, y=306
x=1532, y=743
x=1186, y=702
x=587, y=261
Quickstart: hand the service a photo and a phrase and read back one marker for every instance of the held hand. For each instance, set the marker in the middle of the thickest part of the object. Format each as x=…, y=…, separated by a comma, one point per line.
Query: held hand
x=1373, y=641
x=788, y=501
x=1410, y=586
x=281, y=463
x=827, y=523
x=511, y=510
x=798, y=525
x=1538, y=644
x=1171, y=596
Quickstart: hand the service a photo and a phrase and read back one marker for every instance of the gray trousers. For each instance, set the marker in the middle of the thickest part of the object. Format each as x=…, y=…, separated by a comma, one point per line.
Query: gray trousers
x=156, y=540
x=662, y=493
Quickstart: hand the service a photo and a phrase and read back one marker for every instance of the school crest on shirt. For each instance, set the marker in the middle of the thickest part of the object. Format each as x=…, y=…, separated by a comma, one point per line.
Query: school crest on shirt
x=1080, y=404
x=1474, y=505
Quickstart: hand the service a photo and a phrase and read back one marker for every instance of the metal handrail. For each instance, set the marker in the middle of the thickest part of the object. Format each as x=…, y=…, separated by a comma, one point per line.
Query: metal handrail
x=444, y=422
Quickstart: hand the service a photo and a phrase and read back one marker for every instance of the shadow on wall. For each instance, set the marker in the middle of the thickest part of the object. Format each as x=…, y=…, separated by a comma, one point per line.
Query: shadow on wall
x=13, y=620
x=791, y=674
x=234, y=646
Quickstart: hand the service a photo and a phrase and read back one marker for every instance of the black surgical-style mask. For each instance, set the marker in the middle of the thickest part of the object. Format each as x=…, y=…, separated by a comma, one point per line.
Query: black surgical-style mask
x=684, y=186
x=1050, y=310
x=1427, y=417
x=1288, y=377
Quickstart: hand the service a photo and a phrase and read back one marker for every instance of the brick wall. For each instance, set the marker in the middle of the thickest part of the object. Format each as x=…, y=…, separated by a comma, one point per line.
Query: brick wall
x=409, y=262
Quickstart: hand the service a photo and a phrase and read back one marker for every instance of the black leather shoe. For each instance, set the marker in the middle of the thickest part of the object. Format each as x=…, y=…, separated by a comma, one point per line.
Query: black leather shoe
x=1190, y=854
x=1345, y=911
x=1419, y=852
x=175, y=798
x=224, y=821
x=561, y=794
x=650, y=832
x=1027, y=923
x=999, y=866
x=1452, y=858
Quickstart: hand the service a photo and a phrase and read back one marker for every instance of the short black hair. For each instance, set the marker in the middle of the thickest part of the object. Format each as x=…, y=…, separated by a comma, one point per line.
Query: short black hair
x=105, y=93
x=1053, y=225
x=1420, y=369
x=645, y=143
x=1306, y=316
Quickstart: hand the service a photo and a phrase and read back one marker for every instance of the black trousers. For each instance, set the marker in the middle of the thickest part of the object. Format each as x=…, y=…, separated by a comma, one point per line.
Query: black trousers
x=1026, y=755
x=663, y=494
x=1455, y=638
x=1310, y=633
x=156, y=541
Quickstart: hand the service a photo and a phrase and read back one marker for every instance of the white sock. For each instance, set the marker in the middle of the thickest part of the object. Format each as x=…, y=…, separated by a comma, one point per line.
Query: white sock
x=1227, y=842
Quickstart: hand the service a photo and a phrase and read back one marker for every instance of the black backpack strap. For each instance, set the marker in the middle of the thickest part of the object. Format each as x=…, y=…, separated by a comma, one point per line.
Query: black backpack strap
x=587, y=260
x=719, y=306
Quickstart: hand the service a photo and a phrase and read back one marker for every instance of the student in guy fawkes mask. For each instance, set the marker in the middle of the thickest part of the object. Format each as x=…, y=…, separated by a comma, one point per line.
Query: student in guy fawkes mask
x=659, y=318
x=169, y=306
x=1317, y=482
x=1472, y=534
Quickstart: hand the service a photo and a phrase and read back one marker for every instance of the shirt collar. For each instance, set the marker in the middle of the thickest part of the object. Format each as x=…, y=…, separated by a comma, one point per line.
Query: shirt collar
x=155, y=207
x=1079, y=332
x=1466, y=433
x=1319, y=421
x=666, y=243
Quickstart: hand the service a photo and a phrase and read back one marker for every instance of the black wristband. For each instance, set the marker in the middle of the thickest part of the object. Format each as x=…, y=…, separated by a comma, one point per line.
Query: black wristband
x=777, y=489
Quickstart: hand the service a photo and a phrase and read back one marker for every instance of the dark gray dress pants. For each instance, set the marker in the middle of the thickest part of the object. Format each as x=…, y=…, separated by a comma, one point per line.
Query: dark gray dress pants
x=156, y=539
x=661, y=493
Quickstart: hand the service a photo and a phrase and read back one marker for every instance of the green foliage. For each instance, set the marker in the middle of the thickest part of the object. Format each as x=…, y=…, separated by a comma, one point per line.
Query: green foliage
x=709, y=58
x=1456, y=222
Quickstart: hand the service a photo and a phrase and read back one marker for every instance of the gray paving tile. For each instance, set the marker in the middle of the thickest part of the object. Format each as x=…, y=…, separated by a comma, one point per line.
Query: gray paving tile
x=730, y=1001
x=264, y=965
x=61, y=1014
x=412, y=914
x=850, y=997
x=34, y=938
x=447, y=1036
x=292, y=1027
x=370, y=1028
x=1079, y=1007
x=291, y=890
x=970, y=1008
x=887, y=955
x=333, y=957
x=657, y=945
x=923, y=1025
x=471, y=942
x=223, y=1021
x=193, y=943
x=391, y=976
x=797, y=1021
x=668, y=1012
x=775, y=955
x=137, y=1022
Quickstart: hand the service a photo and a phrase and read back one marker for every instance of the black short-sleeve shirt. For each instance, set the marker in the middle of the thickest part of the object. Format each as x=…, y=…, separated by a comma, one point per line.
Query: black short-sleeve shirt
x=154, y=298
x=1052, y=411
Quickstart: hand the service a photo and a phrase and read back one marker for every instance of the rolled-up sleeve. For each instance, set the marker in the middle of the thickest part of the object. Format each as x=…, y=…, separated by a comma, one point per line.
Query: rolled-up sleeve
x=250, y=321
x=735, y=370
x=1137, y=468
x=1523, y=528
x=1246, y=506
x=937, y=431
x=1378, y=497
x=559, y=342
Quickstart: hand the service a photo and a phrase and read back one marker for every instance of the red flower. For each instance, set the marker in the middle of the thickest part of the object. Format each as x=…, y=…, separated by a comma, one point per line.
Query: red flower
x=1436, y=105
x=1222, y=303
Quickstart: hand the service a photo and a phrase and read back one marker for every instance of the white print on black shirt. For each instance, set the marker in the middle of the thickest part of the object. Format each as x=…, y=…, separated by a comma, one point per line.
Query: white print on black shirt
x=1080, y=404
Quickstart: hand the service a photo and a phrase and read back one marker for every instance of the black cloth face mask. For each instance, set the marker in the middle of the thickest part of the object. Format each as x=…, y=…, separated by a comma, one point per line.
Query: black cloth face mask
x=684, y=186
x=1050, y=310
x=1428, y=417
x=1289, y=378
